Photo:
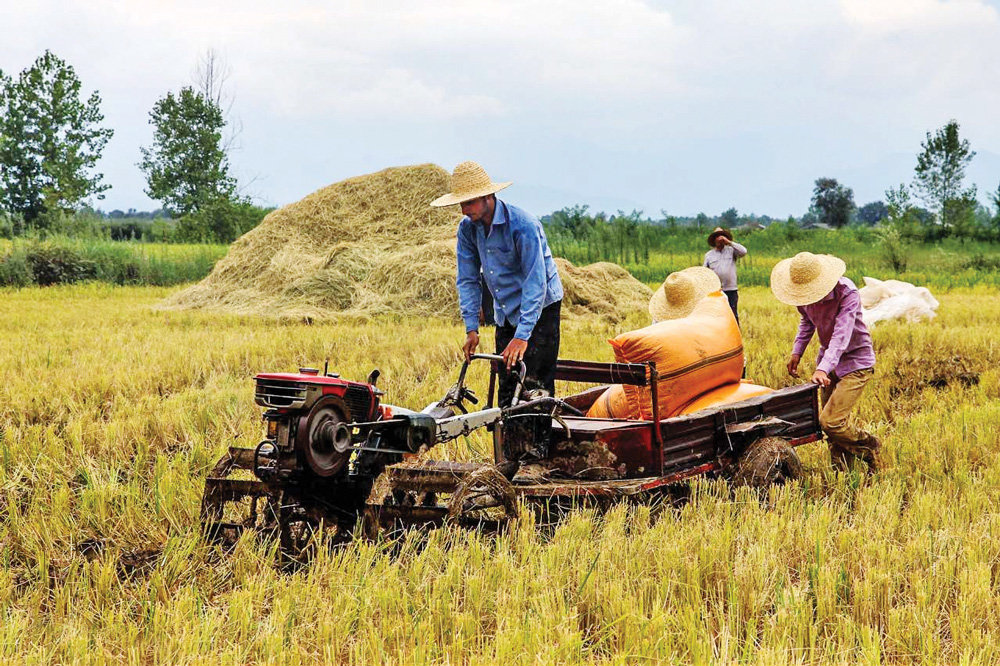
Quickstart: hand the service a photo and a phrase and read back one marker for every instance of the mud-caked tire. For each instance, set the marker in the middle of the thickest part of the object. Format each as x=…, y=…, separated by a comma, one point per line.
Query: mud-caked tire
x=483, y=497
x=766, y=462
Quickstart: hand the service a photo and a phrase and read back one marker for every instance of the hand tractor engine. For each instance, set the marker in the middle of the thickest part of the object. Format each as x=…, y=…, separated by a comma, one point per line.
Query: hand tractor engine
x=328, y=440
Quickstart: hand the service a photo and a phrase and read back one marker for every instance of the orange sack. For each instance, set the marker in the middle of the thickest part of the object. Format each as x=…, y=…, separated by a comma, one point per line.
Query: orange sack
x=725, y=395
x=693, y=355
x=612, y=404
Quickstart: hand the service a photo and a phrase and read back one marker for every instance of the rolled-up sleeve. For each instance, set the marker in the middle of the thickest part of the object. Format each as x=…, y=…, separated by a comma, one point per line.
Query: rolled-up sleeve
x=843, y=328
x=529, y=247
x=470, y=295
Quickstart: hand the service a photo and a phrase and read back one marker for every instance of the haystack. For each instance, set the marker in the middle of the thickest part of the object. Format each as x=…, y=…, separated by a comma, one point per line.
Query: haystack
x=371, y=245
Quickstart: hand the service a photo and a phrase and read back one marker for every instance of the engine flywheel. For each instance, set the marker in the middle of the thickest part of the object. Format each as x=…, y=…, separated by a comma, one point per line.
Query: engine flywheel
x=324, y=438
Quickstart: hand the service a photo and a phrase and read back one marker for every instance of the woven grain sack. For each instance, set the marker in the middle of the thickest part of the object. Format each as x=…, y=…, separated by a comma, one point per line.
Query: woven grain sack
x=724, y=395
x=612, y=404
x=693, y=355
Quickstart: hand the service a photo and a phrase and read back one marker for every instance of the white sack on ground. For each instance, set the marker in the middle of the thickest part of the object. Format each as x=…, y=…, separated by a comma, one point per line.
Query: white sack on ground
x=882, y=300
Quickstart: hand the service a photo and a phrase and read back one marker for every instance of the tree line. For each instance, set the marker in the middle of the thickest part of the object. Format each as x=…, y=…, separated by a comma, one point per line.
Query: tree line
x=51, y=138
x=937, y=204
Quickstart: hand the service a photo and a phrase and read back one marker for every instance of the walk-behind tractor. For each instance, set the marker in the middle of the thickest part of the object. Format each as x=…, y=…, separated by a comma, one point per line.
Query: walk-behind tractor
x=334, y=458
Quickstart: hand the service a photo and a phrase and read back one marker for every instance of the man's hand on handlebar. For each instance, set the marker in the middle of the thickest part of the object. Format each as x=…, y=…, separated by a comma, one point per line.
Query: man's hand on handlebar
x=471, y=343
x=514, y=352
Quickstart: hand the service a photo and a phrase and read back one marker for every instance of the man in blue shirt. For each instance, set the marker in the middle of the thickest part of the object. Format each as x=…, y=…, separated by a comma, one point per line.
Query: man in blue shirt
x=508, y=247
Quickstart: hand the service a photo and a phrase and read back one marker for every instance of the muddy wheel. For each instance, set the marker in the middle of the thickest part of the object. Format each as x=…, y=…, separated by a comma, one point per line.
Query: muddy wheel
x=766, y=462
x=485, y=497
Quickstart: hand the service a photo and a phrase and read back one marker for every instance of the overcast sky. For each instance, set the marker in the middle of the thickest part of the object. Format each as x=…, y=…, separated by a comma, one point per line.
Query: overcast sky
x=688, y=106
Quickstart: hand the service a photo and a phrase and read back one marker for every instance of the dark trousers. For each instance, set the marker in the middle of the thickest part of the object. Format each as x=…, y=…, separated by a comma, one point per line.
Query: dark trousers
x=539, y=358
x=734, y=300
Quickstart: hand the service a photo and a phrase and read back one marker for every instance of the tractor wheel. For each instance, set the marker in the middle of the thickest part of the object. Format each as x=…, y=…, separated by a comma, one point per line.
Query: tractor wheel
x=766, y=462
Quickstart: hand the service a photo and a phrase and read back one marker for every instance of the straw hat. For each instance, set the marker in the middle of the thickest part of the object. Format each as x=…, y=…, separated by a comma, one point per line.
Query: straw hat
x=681, y=291
x=469, y=181
x=719, y=231
x=806, y=277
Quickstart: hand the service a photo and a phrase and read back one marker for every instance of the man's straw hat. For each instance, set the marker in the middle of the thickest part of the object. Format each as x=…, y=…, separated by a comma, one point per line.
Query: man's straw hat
x=681, y=291
x=469, y=181
x=719, y=231
x=806, y=277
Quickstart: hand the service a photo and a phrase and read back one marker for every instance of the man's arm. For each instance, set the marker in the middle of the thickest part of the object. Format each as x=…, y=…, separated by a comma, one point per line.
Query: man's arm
x=843, y=329
x=470, y=294
x=806, y=329
x=738, y=250
x=529, y=246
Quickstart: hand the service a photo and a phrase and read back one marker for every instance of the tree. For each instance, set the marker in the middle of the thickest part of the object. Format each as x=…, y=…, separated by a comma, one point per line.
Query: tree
x=574, y=220
x=833, y=202
x=940, y=171
x=50, y=141
x=995, y=221
x=873, y=212
x=701, y=221
x=187, y=168
x=729, y=218
x=211, y=78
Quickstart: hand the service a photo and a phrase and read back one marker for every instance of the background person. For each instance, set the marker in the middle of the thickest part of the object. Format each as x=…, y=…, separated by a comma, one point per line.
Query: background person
x=830, y=306
x=507, y=246
x=722, y=259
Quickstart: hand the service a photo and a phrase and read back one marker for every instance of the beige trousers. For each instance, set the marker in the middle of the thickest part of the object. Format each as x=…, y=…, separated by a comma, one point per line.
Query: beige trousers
x=847, y=441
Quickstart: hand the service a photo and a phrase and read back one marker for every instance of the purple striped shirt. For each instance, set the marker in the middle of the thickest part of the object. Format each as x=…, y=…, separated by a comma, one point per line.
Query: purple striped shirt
x=845, y=343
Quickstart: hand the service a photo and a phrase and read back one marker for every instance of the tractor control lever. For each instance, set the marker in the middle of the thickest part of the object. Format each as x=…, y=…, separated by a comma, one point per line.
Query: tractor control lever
x=520, y=372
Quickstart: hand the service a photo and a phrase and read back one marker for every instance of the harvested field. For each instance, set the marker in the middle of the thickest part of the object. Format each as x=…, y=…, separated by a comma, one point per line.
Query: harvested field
x=113, y=414
x=369, y=246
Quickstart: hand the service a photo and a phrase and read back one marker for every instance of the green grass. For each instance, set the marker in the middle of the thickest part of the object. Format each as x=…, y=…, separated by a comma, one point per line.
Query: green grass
x=115, y=262
x=946, y=264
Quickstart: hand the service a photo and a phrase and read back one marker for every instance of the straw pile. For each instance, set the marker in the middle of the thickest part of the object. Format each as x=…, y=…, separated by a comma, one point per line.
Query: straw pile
x=371, y=245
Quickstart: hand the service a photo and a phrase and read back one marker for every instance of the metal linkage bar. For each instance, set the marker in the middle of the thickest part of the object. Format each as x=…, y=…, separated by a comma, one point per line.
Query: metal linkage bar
x=601, y=373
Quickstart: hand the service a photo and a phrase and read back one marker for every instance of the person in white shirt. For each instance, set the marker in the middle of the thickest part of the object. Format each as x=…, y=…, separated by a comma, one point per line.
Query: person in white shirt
x=722, y=259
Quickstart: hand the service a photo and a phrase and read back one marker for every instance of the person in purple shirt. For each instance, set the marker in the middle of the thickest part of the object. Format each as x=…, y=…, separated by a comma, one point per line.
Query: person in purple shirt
x=506, y=248
x=830, y=306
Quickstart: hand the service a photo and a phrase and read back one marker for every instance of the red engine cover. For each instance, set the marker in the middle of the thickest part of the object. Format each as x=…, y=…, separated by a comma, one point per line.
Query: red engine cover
x=272, y=392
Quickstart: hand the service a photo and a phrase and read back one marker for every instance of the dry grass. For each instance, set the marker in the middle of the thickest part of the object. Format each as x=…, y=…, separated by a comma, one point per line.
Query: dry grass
x=112, y=414
x=369, y=246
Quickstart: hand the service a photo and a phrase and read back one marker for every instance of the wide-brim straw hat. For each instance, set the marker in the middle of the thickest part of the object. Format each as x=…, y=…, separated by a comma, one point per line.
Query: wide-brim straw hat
x=806, y=277
x=681, y=291
x=719, y=231
x=468, y=181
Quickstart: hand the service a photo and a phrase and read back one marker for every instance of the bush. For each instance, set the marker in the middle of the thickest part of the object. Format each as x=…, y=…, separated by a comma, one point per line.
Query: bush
x=895, y=248
x=15, y=271
x=981, y=262
x=219, y=221
x=52, y=263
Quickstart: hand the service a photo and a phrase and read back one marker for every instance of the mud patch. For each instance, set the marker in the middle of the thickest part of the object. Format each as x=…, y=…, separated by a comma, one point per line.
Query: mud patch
x=136, y=563
x=589, y=461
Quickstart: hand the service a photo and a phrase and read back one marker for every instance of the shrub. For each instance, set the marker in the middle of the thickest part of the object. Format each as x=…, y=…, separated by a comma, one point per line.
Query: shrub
x=219, y=221
x=52, y=263
x=14, y=270
x=895, y=248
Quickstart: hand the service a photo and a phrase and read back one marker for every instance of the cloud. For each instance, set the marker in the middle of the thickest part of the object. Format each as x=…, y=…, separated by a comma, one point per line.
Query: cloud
x=698, y=104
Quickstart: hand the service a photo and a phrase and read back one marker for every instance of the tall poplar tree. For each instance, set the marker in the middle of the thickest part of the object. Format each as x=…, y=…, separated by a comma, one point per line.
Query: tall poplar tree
x=50, y=140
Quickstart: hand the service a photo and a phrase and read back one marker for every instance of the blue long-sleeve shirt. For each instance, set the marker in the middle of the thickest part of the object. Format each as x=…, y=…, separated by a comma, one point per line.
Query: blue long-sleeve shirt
x=517, y=264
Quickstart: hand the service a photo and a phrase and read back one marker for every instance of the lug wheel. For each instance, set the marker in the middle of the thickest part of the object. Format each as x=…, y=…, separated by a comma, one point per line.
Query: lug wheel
x=767, y=461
